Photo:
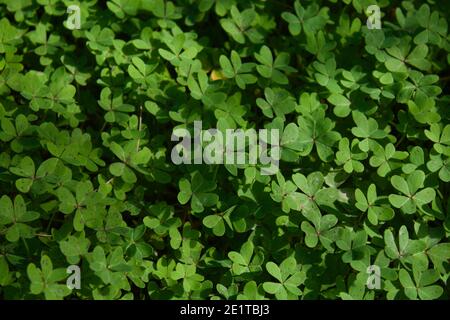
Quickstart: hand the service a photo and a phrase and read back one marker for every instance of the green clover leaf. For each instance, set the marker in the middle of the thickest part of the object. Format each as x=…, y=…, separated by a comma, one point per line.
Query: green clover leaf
x=412, y=197
x=198, y=190
x=14, y=216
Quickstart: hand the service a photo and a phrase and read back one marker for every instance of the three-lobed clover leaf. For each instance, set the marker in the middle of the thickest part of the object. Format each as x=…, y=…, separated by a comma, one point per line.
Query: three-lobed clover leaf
x=289, y=277
x=387, y=159
x=110, y=267
x=14, y=217
x=320, y=229
x=416, y=160
x=354, y=245
x=439, y=163
x=74, y=247
x=199, y=191
x=314, y=195
x=202, y=89
x=342, y=104
x=317, y=130
x=435, y=26
x=217, y=222
x=162, y=221
x=326, y=73
x=284, y=192
x=131, y=158
x=273, y=69
x=241, y=25
x=371, y=204
x=440, y=137
x=277, y=102
x=311, y=19
x=179, y=51
x=86, y=203
x=350, y=156
x=407, y=250
x=190, y=278
x=16, y=133
x=417, y=91
x=230, y=114
x=241, y=72
x=399, y=57
x=290, y=143
x=44, y=280
x=422, y=286
x=25, y=169
x=412, y=197
x=367, y=129
x=246, y=260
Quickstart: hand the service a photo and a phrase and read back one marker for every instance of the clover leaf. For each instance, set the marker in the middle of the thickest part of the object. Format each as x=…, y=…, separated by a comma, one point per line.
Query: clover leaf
x=407, y=250
x=322, y=229
x=198, y=190
x=400, y=56
x=86, y=204
x=311, y=19
x=440, y=137
x=386, y=160
x=375, y=212
x=45, y=280
x=109, y=268
x=242, y=25
x=367, y=129
x=247, y=260
x=316, y=130
x=422, y=286
x=289, y=277
x=350, y=158
x=75, y=247
x=314, y=195
x=273, y=69
x=277, y=101
x=412, y=197
x=440, y=163
x=14, y=217
x=238, y=70
x=354, y=245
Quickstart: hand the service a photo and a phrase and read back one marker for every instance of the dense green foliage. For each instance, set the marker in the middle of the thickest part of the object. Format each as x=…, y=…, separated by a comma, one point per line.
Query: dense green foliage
x=86, y=178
